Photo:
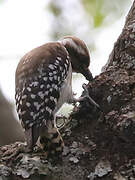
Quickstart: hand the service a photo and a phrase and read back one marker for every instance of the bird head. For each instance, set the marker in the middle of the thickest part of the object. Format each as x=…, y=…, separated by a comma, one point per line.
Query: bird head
x=79, y=55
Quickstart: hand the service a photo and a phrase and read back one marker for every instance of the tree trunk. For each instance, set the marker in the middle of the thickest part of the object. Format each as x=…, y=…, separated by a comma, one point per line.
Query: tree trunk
x=10, y=129
x=99, y=145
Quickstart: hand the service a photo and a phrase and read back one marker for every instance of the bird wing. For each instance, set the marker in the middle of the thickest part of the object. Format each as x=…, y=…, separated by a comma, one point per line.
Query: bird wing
x=38, y=87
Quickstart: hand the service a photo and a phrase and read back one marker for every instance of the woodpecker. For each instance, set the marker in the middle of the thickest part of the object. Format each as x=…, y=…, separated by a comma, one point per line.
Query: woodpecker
x=43, y=85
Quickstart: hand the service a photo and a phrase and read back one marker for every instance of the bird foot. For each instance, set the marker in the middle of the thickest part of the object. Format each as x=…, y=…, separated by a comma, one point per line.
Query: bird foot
x=86, y=92
x=87, y=96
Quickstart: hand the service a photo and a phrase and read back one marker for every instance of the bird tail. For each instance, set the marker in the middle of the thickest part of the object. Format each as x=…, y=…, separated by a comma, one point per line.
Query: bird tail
x=32, y=135
x=51, y=142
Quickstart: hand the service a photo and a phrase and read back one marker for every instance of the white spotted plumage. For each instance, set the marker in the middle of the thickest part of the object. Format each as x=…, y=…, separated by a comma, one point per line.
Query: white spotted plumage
x=28, y=104
x=50, y=83
x=51, y=66
x=35, y=83
x=50, y=78
x=45, y=78
x=41, y=94
x=37, y=105
x=43, y=85
x=33, y=96
x=29, y=89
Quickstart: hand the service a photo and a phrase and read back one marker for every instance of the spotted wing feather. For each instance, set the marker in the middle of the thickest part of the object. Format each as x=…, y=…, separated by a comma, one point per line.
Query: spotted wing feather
x=38, y=87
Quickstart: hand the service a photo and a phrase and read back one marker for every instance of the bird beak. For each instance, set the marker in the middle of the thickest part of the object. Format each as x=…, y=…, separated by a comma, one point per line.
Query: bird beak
x=87, y=74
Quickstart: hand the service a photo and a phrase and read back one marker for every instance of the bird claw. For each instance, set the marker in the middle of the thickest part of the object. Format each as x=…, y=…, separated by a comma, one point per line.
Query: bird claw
x=86, y=92
x=86, y=95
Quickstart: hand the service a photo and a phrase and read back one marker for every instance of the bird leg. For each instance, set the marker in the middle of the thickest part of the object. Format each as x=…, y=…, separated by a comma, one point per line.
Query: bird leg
x=86, y=96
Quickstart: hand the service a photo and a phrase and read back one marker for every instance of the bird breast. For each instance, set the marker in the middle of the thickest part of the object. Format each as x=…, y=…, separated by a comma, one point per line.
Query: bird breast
x=66, y=93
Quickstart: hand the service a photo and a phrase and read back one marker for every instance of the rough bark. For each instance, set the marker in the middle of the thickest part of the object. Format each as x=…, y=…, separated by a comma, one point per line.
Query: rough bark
x=99, y=145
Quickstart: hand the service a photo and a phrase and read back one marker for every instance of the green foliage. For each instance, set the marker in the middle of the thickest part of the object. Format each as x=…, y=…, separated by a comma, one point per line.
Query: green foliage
x=94, y=9
x=82, y=17
x=54, y=8
x=99, y=10
x=1, y=1
x=59, y=28
x=98, y=19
